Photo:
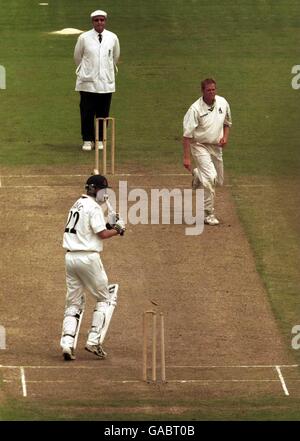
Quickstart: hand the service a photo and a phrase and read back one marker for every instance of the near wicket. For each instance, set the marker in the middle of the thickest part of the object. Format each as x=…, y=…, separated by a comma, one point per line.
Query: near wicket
x=112, y=145
x=146, y=326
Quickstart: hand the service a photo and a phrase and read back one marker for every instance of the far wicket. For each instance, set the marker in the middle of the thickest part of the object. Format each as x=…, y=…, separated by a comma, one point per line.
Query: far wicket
x=112, y=145
x=146, y=327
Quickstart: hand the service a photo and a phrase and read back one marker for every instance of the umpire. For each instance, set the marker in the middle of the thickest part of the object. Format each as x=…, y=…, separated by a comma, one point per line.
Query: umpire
x=96, y=55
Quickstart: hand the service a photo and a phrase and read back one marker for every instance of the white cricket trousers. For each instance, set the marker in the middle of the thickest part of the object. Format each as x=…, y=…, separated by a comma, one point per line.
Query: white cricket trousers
x=84, y=270
x=209, y=163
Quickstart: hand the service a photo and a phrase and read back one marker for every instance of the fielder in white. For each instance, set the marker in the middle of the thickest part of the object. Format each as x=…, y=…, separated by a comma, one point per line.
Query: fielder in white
x=205, y=133
x=85, y=231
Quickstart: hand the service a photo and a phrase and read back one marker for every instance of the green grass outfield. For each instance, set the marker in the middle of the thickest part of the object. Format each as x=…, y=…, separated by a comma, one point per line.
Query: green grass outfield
x=167, y=47
x=266, y=409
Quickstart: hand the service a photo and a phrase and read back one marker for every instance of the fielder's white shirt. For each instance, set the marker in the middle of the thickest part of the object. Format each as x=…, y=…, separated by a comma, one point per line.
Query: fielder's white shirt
x=204, y=123
x=85, y=220
x=96, y=62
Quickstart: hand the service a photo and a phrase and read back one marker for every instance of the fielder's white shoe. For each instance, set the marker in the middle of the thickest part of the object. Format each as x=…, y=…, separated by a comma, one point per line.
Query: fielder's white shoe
x=211, y=220
x=100, y=145
x=68, y=353
x=96, y=349
x=87, y=146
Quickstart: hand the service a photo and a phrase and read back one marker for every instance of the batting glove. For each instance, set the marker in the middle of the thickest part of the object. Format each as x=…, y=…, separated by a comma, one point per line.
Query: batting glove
x=120, y=227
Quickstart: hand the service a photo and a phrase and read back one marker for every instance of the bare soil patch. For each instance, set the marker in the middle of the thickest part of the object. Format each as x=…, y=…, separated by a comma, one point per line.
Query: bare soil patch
x=215, y=305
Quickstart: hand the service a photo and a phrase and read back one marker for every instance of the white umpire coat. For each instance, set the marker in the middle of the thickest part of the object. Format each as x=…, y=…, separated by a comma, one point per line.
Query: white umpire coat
x=96, y=63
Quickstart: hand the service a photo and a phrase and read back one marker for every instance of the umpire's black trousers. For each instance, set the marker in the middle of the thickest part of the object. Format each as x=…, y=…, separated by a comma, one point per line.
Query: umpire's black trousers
x=91, y=105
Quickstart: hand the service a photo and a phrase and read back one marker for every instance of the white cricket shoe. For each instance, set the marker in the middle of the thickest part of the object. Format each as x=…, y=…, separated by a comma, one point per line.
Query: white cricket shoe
x=96, y=349
x=211, y=220
x=100, y=145
x=68, y=353
x=87, y=146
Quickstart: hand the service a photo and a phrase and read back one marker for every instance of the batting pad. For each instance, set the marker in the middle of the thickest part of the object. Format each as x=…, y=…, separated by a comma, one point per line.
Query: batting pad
x=113, y=291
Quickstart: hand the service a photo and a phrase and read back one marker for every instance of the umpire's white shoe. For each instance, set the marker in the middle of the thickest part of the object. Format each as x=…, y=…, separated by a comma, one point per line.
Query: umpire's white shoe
x=87, y=146
x=100, y=145
x=68, y=353
x=96, y=349
x=211, y=220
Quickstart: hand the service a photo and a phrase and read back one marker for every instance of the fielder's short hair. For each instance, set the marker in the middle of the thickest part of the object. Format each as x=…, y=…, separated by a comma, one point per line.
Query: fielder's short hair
x=206, y=82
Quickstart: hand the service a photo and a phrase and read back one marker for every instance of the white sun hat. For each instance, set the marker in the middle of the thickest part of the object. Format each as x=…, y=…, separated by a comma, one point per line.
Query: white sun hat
x=98, y=12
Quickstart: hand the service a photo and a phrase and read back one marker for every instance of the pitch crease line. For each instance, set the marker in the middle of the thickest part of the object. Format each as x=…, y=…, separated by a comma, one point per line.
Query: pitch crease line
x=285, y=389
x=68, y=367
x=84, y=176
x=255, y=366
x=23, y=381
x=168, y=366
x=99, y=381
x=231, y=380
x=146, y=175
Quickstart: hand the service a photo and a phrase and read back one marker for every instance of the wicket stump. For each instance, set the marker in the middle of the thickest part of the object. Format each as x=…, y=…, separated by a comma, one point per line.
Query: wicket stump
x=112, y=145
x=146, y=326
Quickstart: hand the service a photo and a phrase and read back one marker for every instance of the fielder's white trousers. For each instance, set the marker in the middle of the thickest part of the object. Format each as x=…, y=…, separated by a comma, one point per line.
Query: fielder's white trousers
x=209, y=163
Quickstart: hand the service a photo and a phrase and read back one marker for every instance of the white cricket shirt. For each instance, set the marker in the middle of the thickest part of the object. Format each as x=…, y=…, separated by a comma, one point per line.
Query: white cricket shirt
x=205, y=123
x=85, y=220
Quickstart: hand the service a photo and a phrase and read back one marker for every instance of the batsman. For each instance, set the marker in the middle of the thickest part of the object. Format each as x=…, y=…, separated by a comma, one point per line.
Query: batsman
x=83, y=237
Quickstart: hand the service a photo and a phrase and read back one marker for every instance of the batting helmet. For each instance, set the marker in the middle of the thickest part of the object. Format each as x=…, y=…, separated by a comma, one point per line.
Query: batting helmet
x=96, y=182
